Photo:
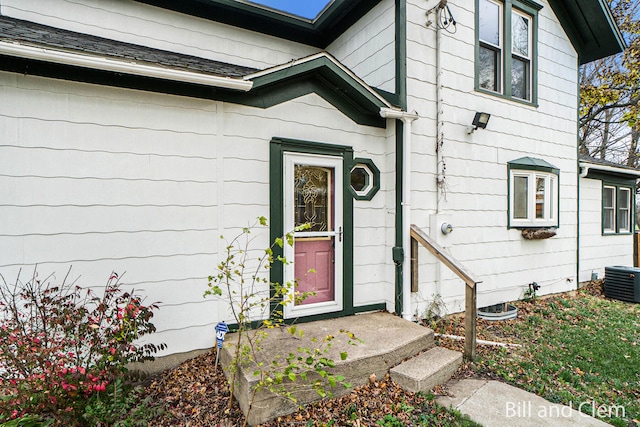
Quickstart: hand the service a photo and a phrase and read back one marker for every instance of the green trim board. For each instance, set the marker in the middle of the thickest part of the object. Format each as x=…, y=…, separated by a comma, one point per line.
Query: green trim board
x=397, y=252
x=374, y=176
x=324, y=75
x=619, y=187
x=321, y=76
x=326, y=28
x=277, y=148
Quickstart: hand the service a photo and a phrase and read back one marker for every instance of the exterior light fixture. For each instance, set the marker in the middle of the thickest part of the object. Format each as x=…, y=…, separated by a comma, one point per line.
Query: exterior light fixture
x=480, y=120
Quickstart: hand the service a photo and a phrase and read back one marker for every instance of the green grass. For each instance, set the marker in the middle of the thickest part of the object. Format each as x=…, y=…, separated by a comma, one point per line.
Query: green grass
x=575, y=350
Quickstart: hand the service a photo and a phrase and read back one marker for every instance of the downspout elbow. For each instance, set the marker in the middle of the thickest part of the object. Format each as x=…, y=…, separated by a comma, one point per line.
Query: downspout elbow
x=584, y=171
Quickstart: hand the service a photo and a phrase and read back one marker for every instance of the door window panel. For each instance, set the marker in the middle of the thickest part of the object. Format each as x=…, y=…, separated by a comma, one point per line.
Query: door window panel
x=312, y=187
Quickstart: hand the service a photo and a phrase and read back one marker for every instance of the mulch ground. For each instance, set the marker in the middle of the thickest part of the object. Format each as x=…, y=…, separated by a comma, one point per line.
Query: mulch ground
x=195, y=394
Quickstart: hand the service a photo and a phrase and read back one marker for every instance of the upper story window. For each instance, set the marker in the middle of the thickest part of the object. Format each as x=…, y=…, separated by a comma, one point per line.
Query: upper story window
x=505, y=59
x=533, y=193
x=616, y=209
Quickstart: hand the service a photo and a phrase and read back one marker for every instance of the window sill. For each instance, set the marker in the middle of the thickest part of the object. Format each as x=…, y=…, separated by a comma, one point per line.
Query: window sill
x=508, y=98
x=613, y=233
x=538, y=233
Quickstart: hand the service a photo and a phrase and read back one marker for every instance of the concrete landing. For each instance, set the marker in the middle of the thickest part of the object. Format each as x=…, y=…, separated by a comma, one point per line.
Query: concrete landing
x=496, y=404
x=427, y=370
x=386, y=341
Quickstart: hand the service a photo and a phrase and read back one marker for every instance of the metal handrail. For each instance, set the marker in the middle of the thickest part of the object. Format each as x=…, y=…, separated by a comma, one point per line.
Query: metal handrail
x=470, y=290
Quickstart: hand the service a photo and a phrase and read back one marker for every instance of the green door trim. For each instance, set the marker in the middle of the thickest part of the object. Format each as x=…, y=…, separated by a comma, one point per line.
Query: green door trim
x=277, y=148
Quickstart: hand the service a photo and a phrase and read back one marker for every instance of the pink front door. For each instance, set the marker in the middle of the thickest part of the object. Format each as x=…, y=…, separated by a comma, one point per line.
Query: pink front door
x=314, y=269
x=314, y=209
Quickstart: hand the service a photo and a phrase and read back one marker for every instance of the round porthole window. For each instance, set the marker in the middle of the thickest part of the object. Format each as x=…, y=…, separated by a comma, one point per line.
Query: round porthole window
x=365, y=179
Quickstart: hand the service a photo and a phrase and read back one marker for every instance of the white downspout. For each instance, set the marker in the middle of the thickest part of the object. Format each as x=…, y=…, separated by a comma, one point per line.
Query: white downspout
x=407, y=119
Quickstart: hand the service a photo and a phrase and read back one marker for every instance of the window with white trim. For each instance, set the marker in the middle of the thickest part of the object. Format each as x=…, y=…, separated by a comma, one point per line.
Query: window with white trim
x=506, y=34
x=534, y=200
x=616, y=209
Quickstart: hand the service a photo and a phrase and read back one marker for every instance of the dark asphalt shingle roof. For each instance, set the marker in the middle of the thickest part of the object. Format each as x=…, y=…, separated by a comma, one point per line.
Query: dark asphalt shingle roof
x=30, y=33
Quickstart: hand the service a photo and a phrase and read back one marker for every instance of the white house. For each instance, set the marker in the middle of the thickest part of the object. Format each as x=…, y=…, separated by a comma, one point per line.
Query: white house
x=135, y=133
x=606, y=216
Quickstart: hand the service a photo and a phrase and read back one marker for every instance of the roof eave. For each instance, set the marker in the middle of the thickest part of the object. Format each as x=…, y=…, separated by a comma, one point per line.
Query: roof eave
x=119, y=66
x=591, y=28
x=318, y=33
x=587, y=166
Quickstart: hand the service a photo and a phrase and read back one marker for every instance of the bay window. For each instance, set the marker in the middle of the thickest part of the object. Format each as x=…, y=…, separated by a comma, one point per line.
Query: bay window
x=533, y=193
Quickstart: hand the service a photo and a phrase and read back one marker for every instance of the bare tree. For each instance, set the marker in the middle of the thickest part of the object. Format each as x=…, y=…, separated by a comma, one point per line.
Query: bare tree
x=610, y=95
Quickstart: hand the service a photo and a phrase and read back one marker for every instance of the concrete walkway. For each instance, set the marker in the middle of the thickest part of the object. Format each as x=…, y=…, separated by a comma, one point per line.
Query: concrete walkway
x=496, y=404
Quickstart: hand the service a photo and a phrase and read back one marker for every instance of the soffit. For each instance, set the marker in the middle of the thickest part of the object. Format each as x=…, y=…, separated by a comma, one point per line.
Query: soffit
x=590, y=27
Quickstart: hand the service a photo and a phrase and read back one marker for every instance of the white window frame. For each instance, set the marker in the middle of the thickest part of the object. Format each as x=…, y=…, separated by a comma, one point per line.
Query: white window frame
x=550, y=216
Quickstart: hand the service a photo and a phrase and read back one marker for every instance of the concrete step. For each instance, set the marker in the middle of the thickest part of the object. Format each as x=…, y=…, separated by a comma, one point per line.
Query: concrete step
x=386, y=340
x=427, y=370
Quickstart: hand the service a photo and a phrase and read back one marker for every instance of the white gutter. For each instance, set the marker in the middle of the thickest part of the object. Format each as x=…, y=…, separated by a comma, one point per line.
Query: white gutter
x=586, y=167
x=407, y=119
x=121, y=66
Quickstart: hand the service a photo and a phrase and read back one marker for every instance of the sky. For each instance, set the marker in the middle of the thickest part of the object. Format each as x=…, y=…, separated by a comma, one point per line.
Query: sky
x=308, y=9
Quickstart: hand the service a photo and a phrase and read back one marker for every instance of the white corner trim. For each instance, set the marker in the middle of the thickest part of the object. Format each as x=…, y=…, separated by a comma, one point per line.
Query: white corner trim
x=121, y=66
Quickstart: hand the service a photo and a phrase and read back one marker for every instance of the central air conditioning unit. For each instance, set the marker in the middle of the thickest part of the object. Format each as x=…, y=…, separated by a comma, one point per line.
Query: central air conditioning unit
x=622, y=283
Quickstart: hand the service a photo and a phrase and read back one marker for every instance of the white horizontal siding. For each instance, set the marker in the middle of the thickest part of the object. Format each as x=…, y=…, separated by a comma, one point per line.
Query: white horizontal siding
x=474, y=194
x=368, y=49
x=107, y=179
x=598, y=251
x=133, y=22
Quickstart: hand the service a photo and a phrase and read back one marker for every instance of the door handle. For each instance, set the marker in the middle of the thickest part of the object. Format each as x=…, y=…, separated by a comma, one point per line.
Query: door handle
x=339, y=233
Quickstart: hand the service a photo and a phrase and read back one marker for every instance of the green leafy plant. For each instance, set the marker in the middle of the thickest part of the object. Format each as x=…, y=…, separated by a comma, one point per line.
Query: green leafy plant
x=435, y=310
x=390, y=421
x=27, y=421
x=530, y=294
x=256, y=305
x=62, y=344
x=119, y=406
